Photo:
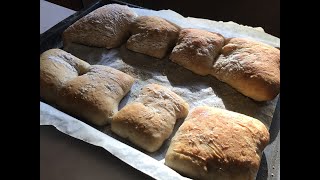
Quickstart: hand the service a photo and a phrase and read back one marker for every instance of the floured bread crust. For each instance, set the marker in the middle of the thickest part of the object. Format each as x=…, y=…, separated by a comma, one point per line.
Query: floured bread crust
x=152, y=36
x=196, y=50
x=251, y=67
x=149, y=121
x=89, y=92
x=107, y=27
x=219, y=144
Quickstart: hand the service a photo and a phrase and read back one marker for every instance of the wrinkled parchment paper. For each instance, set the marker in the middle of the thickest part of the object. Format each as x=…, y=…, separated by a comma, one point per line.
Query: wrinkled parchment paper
x=195, y=89
x=77, y=129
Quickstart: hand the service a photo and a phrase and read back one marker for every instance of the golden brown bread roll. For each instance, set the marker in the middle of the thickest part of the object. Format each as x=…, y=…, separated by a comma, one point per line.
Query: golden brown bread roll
x=152, y=36
x=217, y=144
x=56, y=68
x=196, y=50
x=150, y=119
x=89, y=92
x=107, y=27
x=251, y=67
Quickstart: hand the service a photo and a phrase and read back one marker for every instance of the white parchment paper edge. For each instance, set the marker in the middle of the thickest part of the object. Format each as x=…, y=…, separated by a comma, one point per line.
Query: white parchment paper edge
x=79, y=130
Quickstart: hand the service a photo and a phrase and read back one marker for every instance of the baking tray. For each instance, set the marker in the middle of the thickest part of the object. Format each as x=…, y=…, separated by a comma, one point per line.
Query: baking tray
x=270, y=162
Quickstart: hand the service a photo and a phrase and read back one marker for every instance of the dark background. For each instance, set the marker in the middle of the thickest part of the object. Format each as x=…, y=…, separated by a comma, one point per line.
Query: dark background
x=256, y=13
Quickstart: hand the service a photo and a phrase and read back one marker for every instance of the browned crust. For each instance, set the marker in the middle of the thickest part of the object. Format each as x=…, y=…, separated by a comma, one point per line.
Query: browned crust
x=150, y=120
x=251, y=67
x=217, y=143
x=196, y=50
x=89, y=92
x=107, y=26
x=152, y=36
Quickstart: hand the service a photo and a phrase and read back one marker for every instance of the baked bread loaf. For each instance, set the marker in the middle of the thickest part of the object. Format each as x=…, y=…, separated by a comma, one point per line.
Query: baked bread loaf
x=89, y=92
x=149, y=120
x=217, y=144
x=251, y=67
x=196, y=50
x=56, y=68
x=152, y=36
x=107, y=27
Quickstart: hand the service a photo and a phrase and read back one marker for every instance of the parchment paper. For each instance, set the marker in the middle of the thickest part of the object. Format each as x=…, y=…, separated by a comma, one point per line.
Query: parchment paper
x=195, y=89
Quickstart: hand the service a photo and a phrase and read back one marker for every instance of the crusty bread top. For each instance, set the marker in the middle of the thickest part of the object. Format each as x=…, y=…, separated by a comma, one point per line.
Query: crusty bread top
x=150, y=123
x=160, y=97
x=56, y=68
x=96, y=94
x=90, y=92
x=196, y=50
x=212, y=136
x=57, y=57
x=146, y=126
x=152, y=23
x=152, y=36
x=253, y=57
x=200, y=42
x=150, y=119
x=107, y=26
x=253, y=68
